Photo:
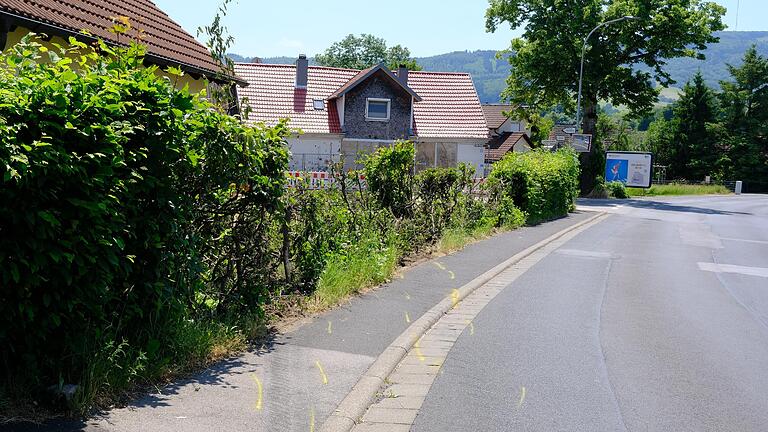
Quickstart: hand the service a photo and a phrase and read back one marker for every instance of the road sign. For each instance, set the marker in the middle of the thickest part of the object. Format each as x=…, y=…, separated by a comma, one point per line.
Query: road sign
x=569, y=130
x=631, y=168
x=582, y=143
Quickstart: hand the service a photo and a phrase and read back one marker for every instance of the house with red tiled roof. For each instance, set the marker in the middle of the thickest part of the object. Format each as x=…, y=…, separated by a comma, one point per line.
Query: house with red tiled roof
x=167, y=43
x=507, y=134
x=343, y=113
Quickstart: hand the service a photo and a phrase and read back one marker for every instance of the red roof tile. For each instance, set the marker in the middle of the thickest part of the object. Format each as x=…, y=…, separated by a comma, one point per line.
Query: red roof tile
x=494, y=114
x=165, y=39
x=449, y=108
x=503, y=144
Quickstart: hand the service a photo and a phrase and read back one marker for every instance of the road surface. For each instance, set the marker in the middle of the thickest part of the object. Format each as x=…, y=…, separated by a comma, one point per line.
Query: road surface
x=655, y=319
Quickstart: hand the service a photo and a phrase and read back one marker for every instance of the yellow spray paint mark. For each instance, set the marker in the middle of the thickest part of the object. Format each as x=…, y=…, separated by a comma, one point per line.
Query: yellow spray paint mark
x=330, y=325
x=455, y=296
x=312, y=419
x=260, y=390
x=407, y=318
x=522, y=397
x=451, y=275
x=417, y=350
x=439, y=265
x=407, y=296
x=471, y=327
x=322, y=372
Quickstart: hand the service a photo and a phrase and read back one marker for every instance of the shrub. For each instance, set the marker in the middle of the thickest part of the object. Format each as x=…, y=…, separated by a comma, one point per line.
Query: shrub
x=389, y=174
x=542, y=184
x=600, y=191
x=617, y=189
x=135, y=205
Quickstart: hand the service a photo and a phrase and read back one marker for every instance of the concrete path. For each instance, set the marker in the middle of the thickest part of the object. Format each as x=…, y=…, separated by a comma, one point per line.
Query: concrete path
x=298, y=379
x=655, y=319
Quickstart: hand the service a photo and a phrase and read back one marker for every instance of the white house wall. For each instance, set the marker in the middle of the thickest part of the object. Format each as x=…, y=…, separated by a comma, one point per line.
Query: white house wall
x=313, y=153
x=474, y=155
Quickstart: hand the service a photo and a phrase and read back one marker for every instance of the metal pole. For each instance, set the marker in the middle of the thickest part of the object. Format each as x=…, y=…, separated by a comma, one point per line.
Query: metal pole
x=581, y=69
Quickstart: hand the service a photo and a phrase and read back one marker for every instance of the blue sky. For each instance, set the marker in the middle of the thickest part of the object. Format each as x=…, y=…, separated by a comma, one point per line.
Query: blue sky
x=426, y=27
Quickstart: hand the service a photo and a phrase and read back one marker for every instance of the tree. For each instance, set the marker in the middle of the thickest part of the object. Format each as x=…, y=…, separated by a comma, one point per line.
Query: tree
x=545, y=60
x=693, y=154
x=744, y=130
x=365, y=51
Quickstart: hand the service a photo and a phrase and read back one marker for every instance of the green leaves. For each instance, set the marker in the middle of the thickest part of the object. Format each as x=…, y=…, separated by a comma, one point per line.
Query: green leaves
x=115, y=187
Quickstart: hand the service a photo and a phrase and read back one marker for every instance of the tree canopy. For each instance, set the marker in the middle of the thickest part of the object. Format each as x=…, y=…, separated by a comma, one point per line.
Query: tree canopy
x=545, y=60
x=355, y=52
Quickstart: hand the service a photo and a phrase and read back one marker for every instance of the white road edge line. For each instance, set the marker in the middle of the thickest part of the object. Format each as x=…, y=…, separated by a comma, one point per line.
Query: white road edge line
x=363, y=394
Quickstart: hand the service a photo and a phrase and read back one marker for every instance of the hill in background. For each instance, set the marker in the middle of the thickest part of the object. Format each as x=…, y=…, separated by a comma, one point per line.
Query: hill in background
x=490, y=73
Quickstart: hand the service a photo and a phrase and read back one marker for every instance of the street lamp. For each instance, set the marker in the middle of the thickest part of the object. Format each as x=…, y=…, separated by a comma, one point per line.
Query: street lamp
x=581, y=71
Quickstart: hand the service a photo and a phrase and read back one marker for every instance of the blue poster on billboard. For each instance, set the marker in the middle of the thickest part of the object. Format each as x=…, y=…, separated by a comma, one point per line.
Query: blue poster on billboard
x=634, y=169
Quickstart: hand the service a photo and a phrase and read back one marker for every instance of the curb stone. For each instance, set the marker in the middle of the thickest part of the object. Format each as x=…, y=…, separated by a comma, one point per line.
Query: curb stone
x=363, y=394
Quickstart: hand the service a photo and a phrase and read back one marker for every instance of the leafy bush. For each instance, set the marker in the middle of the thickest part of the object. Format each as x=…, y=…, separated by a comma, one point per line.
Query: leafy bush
x=542, y=184
x=600, y=191
x=135, y=205
x=617, y=189
x=389, y=173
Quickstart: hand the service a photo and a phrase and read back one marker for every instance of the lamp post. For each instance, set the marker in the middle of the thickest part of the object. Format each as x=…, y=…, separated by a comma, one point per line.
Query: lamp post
x=581, y=70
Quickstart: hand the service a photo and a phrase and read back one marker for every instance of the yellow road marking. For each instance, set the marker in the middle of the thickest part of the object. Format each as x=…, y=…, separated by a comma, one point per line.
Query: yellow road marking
x=260, y=390
x=418, y=351
x=312, y=420
x=522, y=397
x=451, y=275
x=407, y=318
x=329, y=327
x=439, y=265
x=322, y=372
x=471, y=327
x=455, y=296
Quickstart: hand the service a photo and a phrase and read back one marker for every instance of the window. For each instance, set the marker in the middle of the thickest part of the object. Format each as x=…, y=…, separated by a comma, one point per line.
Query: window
x=377, y=109
x=319, y=104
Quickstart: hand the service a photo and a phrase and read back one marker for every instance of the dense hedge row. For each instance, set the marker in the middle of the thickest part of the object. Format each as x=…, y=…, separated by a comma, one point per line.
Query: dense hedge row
x=543, y=184
x=141, y=227
x=127, y=205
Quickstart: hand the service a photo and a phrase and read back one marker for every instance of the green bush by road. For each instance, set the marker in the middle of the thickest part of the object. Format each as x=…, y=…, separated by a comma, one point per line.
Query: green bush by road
x=542, y=184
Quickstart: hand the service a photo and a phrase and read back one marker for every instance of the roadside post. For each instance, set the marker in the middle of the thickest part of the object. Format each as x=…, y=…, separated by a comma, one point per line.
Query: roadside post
x=737, y=190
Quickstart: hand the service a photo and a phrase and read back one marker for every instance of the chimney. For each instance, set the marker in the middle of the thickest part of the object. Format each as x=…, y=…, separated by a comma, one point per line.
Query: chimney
x=402, y=74
x=302, y=65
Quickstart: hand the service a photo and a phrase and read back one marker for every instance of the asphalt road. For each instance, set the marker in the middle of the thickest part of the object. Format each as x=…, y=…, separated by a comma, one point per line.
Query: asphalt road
x=656, y=319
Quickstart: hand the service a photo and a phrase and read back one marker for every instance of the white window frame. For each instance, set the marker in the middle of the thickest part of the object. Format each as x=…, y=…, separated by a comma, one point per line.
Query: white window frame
x=369, y=100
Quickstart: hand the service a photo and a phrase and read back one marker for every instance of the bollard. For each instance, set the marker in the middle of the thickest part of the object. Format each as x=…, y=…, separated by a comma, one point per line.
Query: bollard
x=738, y=188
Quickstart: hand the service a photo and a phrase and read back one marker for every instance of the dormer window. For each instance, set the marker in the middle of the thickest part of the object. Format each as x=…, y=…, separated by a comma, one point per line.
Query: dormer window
x=318, y=104
x=377, y=109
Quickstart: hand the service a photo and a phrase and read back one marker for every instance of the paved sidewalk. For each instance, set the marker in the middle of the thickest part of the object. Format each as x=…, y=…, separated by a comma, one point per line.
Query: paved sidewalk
x=298, y=379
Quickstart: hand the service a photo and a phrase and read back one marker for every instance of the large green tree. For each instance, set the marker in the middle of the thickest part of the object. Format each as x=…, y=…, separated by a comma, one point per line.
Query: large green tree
x=744, y=128
x=364, y=51
x=623, y=61
x=693, y=153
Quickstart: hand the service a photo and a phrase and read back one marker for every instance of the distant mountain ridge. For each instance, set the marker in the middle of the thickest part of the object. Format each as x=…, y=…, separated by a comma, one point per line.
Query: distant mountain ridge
x=490, y=73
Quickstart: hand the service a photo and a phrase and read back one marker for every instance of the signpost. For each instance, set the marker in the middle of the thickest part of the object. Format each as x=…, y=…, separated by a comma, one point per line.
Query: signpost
x=634, y=169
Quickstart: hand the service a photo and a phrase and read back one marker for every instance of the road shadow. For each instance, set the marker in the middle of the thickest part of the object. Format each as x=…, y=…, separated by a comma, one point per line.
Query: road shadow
x=149, y=396
x=648, y=204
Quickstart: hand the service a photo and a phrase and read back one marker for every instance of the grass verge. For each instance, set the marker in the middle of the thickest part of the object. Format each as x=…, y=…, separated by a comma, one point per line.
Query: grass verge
x=679, y=189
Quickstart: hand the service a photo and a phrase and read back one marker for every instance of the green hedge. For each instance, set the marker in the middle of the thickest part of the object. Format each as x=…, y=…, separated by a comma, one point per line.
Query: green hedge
x=541, y=183
x=122, y=197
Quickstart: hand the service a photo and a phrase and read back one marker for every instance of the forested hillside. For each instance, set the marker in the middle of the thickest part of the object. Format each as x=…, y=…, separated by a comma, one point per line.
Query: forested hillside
x=489, y=73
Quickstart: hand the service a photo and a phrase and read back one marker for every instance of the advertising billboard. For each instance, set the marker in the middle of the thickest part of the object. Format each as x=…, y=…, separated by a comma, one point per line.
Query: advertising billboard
x=634, y=169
